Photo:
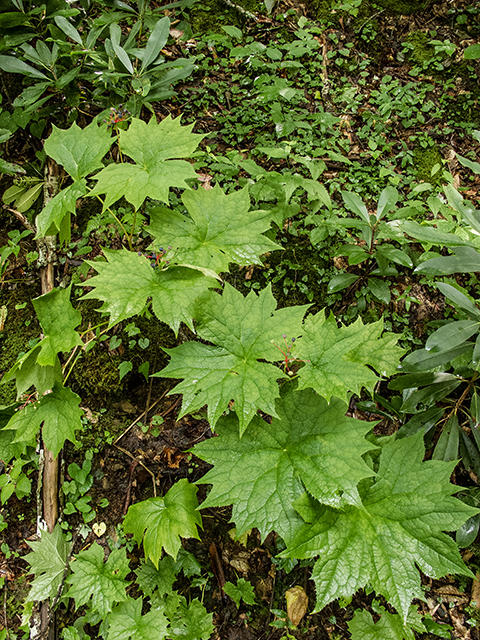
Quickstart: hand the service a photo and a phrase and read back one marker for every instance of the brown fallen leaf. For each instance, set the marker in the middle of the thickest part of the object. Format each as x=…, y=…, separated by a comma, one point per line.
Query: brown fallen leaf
x=450, y=593
x=297, y=604
x=475, y=595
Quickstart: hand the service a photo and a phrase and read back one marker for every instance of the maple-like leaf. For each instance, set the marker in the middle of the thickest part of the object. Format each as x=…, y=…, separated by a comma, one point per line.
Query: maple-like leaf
x=245, y=330
x=58, y=320
x=102, y=582
x=9, y=449
x=312, y=444
x=153, y=147
x=391, y=626
x=127, y=621
x=27, y=372
x=47, y=561
x=398, y=529
x=149, y=578
x=191, y=622
x=49, y=220
x=160, y=522
x=243, y=590
x=127, y=280
x=221, y=229
x=338, y=360
x=59, y=411
x=79, y=151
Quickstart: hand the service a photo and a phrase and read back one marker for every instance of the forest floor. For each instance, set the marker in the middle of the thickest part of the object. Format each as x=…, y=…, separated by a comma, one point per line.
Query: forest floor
x=381, y=99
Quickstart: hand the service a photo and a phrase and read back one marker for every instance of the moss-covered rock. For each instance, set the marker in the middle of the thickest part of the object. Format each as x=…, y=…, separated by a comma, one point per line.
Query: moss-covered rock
x=425, y=161
x=210, y=15
x=20, y=326
x=329, y=11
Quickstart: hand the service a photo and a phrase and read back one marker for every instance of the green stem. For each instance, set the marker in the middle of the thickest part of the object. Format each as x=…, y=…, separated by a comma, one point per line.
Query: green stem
x=135, y=220
x=119, y=222
x=95, y=327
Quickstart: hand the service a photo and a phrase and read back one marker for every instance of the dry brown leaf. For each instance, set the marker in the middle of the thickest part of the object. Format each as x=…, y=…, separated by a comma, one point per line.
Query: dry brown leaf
x=450, y=593
x=475, y=595
x=297, y=604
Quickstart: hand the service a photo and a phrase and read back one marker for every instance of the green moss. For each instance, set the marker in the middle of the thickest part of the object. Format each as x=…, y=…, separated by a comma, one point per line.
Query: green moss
x=95, y=375
x=425, y=160
x=210, y=15
x=297, y=275
x=326, y=10
x=422, y=50
x=20, y=326
x=402, y=7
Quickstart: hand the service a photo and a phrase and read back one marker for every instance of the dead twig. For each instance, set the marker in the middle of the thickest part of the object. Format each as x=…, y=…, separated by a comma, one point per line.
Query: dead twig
x=139, y=418
x=127, y=453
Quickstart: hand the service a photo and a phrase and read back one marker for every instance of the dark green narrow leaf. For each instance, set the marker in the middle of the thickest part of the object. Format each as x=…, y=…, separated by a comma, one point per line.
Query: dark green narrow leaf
x=416, y=380
x=459, y=299
x=429, y=395
x=340, y=282
x=68, y=29
x=387, y=201
x=425, y=420
x=447, y=445
x=355, y=204
x=466, y=260
x=13, y=65
x=472, y=452
x=423, y=360
x=156, y=42
x=122, y=55
x=451, y=335
x=476, y=352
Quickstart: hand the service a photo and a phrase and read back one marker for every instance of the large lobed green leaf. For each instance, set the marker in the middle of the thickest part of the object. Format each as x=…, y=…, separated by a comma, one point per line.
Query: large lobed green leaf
x=153, y=147
x=47, y=561
x=49, y=220
x=58, y=411
x=245, y=330
x=79, y=151
x=391, y=626
x=58, y=320
x=191, y=622
x=126, y=281
x=398, y=529
x=221, y=229
x=339, y=359
x=128, y=623
x=311, y=444
x=160, y=522
x=27, y=372
x=101, y=582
